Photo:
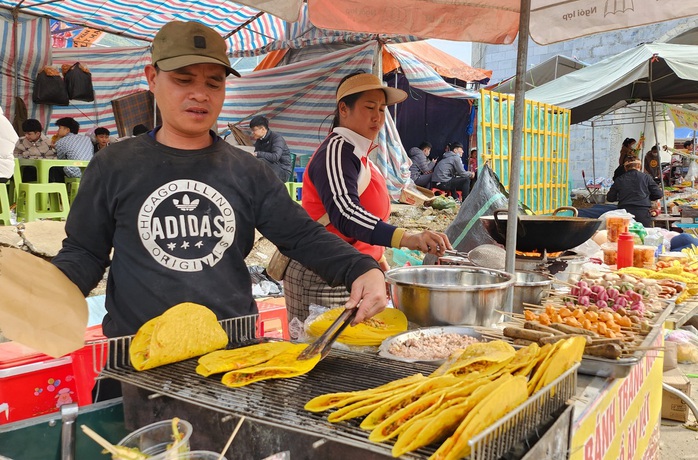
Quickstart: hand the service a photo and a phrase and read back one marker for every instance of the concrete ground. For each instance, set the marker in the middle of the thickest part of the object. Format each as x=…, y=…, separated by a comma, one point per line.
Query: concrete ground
x=676, y=442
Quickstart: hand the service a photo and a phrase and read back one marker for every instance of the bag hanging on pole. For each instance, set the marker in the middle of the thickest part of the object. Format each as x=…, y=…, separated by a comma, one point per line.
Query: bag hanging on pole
x=78, y=82
x=49, y=88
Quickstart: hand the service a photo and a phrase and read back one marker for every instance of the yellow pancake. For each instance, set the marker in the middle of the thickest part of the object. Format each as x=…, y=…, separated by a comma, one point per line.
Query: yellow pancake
x=239, y=358
x=284, y=365
x=491, y=408
x=442, y=424
x=184, y=331
x=331, y=400
x=386, y=410
x=370, y=332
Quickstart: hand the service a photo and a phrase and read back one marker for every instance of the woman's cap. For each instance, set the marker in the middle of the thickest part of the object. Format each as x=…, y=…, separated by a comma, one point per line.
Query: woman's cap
x=179, y=44
x=366, y=82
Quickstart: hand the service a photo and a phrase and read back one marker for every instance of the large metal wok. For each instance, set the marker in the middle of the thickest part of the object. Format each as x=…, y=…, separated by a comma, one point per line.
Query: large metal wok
x=538, y=233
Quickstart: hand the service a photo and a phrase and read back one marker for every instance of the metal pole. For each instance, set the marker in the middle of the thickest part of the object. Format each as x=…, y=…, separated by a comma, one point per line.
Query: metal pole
x=517, y=137
x=656, y=138
x=593, y=160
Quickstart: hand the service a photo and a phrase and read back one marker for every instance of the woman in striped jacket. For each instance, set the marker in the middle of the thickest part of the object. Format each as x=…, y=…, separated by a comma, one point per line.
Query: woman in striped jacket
x=344, y=191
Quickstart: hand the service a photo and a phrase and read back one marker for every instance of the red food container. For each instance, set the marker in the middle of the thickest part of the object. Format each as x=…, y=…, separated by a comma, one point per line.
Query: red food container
x=273, y=320
x=33, y=384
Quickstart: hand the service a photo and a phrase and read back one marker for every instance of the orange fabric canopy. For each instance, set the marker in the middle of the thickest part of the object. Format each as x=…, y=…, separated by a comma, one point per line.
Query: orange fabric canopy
x=443, y=63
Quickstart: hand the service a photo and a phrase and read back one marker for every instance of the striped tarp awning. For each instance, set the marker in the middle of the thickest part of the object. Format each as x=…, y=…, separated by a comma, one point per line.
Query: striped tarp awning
x=139, y=19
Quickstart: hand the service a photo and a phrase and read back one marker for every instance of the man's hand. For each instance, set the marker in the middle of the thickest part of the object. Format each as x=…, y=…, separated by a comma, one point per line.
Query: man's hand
x=368, y=295
x=428, y=241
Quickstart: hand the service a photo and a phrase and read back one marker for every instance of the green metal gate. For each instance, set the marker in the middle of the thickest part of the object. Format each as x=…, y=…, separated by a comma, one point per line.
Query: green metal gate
x=545, y=155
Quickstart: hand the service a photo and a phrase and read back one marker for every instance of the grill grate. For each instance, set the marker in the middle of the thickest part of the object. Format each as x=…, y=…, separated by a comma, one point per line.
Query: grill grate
x=280, y=402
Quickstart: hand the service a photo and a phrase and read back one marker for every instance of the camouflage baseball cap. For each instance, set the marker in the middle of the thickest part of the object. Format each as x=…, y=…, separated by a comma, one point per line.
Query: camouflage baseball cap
x=179, y=44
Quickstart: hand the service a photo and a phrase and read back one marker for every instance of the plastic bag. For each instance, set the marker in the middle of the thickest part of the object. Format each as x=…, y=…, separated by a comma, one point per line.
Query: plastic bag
x=466, y=232
x=686, y=345
x=78, y=83
x=639, y=230
x=49, y=88
x=614, y=213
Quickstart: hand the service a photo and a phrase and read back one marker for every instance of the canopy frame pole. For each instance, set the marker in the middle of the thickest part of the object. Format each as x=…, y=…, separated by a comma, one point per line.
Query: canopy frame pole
x=593, y=156
x=656, y=137
x=517, y=144
x=644, y=130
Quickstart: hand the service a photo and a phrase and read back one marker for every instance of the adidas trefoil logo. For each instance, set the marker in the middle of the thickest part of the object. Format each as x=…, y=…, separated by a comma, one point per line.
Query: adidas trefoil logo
x=186, y=204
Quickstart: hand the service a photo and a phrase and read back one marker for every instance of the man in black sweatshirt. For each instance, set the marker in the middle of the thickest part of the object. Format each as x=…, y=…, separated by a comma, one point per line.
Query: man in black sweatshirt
x=179, y=216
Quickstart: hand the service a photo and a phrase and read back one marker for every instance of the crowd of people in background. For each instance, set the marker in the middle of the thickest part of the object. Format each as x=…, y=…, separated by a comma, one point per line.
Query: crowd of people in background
x=450, y=171
x=66, y=144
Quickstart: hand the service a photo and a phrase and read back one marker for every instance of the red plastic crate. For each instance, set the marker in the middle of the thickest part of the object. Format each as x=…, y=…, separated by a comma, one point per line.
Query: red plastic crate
x=33, y=384
x=273, y=319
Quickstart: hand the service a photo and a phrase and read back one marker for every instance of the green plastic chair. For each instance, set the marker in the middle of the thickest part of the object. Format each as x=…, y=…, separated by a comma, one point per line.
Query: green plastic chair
x=292, y=175
x=72, y=183
x=29, y=207
x=4, y=205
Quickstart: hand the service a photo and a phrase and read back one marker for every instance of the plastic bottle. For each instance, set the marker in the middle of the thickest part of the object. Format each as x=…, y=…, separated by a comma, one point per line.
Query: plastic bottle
x=626, y=244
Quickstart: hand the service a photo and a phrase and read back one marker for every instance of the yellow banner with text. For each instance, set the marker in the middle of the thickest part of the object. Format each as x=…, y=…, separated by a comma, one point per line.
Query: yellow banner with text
x=624, y=423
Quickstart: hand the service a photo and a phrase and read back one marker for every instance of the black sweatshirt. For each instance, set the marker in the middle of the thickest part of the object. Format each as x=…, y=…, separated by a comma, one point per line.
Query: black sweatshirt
x=181, y=224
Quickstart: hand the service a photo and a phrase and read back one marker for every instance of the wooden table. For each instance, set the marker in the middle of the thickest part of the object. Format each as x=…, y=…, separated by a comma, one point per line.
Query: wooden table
x=43, y=166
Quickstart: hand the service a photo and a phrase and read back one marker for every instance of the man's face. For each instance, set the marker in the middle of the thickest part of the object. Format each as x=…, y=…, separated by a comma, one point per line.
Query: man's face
x=427, y=151
x=32, y=136
x=190, y=98
x=102, y=139
x=259, y=132
x=63, y=130
x=458, y=150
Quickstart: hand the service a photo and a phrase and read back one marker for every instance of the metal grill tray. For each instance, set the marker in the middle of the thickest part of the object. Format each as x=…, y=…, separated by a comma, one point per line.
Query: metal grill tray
x=280, y=402
x=619, y=368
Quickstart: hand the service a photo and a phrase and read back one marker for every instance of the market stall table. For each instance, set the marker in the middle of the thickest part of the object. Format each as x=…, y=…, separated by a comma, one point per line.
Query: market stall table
x=43, y=166
x=665, y=220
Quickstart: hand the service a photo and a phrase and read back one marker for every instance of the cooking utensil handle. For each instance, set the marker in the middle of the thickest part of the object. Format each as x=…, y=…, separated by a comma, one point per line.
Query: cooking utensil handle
x=520, y=228
x=574, y=210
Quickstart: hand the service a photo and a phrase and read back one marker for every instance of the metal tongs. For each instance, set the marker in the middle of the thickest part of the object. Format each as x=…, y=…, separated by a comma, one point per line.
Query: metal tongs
x=324, y=343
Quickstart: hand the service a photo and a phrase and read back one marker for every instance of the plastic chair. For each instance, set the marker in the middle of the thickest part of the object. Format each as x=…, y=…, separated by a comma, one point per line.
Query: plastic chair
x=29, y=206
x=4, y=205
x=72, y=183
x=292, y=175
x=295, y=190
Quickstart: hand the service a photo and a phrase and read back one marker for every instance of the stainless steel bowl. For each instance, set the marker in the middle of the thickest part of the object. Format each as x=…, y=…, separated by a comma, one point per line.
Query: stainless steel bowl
x=529, y=287
x=449, y=295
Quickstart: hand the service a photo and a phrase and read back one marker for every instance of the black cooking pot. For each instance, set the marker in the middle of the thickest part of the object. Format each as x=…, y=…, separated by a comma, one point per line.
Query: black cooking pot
x=538, y=233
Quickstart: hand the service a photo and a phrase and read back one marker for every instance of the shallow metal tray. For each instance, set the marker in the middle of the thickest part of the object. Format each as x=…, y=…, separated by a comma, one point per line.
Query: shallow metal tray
x=384, y=348
x=618, y=368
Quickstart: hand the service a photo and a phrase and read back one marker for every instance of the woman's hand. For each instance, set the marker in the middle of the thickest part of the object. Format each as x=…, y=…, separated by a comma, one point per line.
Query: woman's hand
x=428, y=241
x=368, y=294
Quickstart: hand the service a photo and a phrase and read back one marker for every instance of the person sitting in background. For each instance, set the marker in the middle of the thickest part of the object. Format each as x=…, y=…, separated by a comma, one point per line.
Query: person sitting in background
x=422, y=167
x=139, y=129
x=472, y=163
x=652, y=166
x=71, y=145
x=450, y=175
x=34, y=144
x=102, y=138
x=271, y=148
x=635, y=192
